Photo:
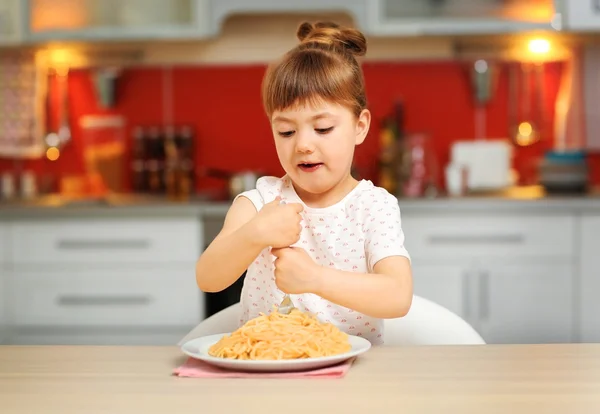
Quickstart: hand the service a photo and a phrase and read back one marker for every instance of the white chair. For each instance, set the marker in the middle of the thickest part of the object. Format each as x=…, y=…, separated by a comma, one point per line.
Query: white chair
x=427, y=323
x=226, y=320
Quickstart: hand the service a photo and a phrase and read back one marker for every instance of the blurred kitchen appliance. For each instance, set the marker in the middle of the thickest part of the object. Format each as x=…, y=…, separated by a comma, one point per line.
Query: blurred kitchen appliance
x=487, y=163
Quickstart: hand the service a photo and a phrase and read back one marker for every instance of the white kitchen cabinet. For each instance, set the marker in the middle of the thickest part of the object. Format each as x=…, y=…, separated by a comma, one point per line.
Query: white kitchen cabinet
x=5, y=243
x=93, y=241
x=590, y=278
x=156, y=296
x=505, y=303
x=122, y=279
x=97, y=337
x=580, y=15
x=3, y=306
x=458, y=17
x=446, y=285
x=108, y=20
x=525, y=303
x=460, y=237
x=4, y=277
x=511, y=276
x=12, y=21
x=220, y=10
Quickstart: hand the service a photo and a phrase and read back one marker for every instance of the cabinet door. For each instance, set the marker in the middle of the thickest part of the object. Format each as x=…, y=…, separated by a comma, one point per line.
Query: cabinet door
x=143, y=297
x=221, y=9
x=526, y=303
x=446, y=285
x=417, y=17
x=5, y=244
x=581, y=15
x=4, y=275
x=12, y=18
x=116, y=19
x=3, y=304
x=590, y=279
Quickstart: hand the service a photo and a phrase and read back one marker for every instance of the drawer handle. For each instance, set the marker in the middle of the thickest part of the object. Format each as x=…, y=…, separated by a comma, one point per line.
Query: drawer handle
x=72, y=300
x=484, y=295
x=82, y=244
x=466, y=295
x=478, y=239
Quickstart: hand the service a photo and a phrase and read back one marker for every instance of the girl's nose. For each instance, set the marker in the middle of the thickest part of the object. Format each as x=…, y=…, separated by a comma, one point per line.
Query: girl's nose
x=304, y=143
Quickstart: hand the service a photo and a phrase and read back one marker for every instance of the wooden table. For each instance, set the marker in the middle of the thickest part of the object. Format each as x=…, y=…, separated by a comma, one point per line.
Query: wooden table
x=445, y=379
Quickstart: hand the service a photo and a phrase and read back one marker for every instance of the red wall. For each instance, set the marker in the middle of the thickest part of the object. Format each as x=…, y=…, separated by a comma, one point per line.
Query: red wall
x=223, y=104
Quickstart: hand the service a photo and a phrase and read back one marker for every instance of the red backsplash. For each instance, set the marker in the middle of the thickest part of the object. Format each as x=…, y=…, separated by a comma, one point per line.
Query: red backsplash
x=223, y=104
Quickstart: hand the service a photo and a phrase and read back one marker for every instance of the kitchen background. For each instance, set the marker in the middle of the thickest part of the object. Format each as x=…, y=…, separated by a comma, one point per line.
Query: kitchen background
x=126, y=127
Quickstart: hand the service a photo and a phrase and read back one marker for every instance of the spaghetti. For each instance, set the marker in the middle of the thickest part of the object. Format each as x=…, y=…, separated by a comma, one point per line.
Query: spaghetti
x=278, y=336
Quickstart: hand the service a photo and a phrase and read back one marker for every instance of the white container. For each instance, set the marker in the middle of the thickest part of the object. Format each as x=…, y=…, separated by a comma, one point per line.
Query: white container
x=456, y=179
x=488, y=163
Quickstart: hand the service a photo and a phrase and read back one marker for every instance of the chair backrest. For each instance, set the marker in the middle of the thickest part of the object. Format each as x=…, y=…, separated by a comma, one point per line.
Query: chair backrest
x=226, y=320
x=428, y=323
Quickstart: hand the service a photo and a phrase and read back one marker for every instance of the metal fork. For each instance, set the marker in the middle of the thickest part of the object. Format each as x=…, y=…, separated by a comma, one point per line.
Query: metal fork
x=286, y=305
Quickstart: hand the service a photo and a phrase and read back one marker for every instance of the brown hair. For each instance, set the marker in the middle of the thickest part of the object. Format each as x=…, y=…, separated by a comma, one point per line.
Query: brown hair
x=323, y=66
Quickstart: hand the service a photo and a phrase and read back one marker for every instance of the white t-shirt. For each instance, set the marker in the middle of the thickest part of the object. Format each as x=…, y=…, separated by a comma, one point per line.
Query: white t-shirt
x=352, y=235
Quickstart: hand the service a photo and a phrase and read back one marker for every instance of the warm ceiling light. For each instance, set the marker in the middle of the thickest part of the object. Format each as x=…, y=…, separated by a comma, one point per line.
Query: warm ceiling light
x=539, y=46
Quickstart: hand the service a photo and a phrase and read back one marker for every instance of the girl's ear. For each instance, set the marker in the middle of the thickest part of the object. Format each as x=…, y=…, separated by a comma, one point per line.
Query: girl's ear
x=362, y=126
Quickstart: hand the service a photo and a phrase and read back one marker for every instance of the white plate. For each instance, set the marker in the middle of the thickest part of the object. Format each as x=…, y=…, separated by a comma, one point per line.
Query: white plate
x=198, y=348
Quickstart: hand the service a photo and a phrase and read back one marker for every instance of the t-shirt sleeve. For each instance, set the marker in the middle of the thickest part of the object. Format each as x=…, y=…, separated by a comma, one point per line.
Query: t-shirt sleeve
x=384, y=236
x=267, y=188
x=254, y=196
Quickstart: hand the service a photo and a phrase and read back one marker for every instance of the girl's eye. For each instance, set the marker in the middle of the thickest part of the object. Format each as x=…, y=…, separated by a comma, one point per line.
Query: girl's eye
x=286, y=134
x=324, y=130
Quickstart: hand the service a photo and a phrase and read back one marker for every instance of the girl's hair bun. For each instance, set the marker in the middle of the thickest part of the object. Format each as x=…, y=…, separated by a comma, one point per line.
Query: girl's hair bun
x=331, y=35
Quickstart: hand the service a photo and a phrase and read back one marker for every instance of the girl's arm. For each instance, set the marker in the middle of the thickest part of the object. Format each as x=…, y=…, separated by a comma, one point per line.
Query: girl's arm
x=385, y=293
x=232, y=251
x=245, y=234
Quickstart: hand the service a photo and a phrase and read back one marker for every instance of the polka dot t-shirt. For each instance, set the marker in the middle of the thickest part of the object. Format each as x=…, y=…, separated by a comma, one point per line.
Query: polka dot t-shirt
x=352, y=235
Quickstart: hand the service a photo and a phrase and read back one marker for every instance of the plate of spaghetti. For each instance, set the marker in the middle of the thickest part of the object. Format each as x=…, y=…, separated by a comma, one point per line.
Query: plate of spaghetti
x=278, y=342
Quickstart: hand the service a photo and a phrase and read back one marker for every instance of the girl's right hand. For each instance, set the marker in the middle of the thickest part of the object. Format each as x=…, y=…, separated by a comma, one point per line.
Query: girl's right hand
x=279, y=225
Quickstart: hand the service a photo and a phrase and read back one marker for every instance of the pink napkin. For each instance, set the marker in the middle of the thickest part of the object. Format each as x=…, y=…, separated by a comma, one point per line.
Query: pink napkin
x=195, y=368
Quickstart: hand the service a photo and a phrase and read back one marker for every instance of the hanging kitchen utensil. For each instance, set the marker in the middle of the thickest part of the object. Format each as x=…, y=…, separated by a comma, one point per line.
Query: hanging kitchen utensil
x=64, y=129
x=513, y=99
x=483, y=82
x=540, y=92
x=105, y=80
x=527, y=132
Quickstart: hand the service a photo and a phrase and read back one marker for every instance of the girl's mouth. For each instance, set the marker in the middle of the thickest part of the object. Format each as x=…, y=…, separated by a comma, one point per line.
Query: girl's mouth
x=306, y=167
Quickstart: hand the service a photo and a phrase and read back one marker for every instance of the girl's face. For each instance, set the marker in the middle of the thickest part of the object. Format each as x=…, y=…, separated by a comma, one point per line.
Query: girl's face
x=315, y=145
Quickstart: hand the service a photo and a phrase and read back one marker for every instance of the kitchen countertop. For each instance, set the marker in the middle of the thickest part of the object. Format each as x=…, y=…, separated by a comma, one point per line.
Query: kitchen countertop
x=428, y=379
x=520, y=199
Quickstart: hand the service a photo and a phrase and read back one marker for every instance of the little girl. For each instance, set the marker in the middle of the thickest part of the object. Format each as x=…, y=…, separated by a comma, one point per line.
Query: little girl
x=333, y=243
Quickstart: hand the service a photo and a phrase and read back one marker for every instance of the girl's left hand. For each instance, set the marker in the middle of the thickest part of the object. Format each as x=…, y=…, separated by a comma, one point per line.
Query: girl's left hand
x=295, y=270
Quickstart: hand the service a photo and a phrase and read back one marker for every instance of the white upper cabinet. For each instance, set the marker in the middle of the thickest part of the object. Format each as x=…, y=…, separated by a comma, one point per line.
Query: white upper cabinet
x=12, y=21
x=220, y=10
x=459, y=17
x=580, y=15
x=106, y=20
x=116, y=19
